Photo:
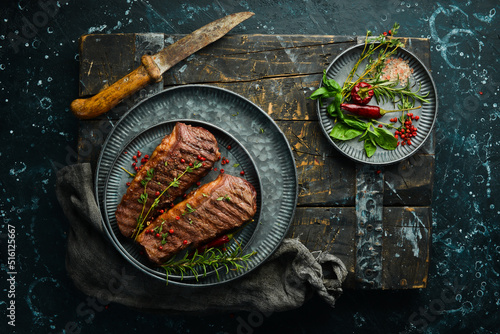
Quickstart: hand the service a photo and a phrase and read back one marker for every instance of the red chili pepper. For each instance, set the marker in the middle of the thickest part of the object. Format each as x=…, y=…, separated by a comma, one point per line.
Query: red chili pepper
x=362, y=93
x=368, y=111
x=216, y=242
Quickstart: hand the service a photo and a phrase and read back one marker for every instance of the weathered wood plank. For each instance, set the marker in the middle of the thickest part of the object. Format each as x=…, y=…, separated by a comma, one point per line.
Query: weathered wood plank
x=282, y=98
x=325, y=176
x=238, y=65
x=104, y=59
x=406, y=247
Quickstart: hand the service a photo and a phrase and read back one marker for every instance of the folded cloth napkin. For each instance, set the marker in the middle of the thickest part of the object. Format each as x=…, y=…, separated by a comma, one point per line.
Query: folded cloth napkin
x=283, y=282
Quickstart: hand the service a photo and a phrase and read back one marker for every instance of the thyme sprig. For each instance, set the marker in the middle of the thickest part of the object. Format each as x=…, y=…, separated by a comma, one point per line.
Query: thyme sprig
x=175, y=183
x=129, y=173
x=212, y=258
x=143, y=199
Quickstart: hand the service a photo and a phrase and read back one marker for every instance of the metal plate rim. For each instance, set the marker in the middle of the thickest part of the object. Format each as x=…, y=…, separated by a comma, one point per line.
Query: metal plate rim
x=256, y=109
x=320, y=113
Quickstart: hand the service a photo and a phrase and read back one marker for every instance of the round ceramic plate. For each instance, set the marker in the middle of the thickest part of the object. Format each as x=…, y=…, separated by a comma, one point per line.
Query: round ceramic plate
x=339, y=70
x=257, y=133
x=146, y=142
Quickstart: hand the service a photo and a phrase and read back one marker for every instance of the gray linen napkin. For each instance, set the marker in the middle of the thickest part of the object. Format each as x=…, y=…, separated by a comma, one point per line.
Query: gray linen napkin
x=285, y=281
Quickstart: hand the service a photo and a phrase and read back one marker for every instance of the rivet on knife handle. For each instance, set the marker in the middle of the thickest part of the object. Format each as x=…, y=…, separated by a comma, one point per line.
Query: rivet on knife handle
x=108, y=98
x=154, y=66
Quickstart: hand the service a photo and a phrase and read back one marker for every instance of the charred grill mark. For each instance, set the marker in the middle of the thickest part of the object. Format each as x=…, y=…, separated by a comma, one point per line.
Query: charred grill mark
x=171, y=149
x=211, y=218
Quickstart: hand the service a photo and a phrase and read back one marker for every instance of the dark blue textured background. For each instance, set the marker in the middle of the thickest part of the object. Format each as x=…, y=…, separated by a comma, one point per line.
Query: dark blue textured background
x=39, y=79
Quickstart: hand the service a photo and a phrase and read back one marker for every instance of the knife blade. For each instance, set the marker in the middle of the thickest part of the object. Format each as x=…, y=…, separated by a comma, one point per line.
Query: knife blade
x=152, y=67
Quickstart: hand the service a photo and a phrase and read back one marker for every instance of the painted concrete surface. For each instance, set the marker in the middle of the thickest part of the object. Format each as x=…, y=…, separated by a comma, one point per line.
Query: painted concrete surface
x=39, y=79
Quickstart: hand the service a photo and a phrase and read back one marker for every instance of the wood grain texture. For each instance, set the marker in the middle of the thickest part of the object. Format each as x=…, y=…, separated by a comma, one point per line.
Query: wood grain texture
x=277, y=73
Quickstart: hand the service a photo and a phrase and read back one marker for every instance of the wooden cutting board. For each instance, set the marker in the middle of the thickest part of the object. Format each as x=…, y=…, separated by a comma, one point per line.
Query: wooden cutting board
x=376, y=219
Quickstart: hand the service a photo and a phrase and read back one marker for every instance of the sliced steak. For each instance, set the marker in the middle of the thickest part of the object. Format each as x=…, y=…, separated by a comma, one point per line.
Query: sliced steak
x=184, y=146
x=207, y=213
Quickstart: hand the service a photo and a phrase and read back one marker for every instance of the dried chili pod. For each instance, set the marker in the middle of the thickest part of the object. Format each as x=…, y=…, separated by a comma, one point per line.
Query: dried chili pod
x=361, y=93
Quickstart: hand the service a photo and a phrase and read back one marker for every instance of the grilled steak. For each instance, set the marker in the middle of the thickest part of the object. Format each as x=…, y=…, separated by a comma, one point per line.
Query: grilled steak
x=185, y=146
x=207, y=213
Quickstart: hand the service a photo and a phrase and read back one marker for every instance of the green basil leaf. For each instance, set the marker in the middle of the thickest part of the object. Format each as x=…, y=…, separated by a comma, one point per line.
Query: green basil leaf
x=342, y=131
x=385, y=139
x=331, y=109
x=370, y=147
x=320, y=92
x=356, y=123
x=331, y=84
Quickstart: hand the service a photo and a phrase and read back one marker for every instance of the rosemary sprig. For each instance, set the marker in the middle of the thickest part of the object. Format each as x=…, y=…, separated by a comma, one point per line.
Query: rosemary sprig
x=210, y=258
x=385, y=90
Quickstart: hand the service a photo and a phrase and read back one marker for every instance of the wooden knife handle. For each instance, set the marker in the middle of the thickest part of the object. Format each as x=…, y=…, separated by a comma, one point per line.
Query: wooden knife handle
x=108, y=98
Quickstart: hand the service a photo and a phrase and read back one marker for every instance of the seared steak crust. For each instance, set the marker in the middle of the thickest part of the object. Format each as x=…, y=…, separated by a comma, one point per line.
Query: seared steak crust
x=186, y=144
x=207, y=213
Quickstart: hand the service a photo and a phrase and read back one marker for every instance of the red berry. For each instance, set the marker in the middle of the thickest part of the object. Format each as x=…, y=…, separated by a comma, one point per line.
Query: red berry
x=157, y=235
x=215, y=169
x=171, y=231
x=139, y=153
x=185, y=242
x=198, y=183
x=409, y=142
x=134, y=157
x=177, y=217
x=396, y=136
x=198, y=157
x=190, y=164
x=146, y=156
x=160, y=248
x=417, y=117
x=128, y=183
x=136, y=168
x=183, y=161
x=242, y=173
x=162, y=211
x=222, y=171
x=380, y=125
x=228, y=147
x=203, y=158
x=157, y=193
x=385, y=33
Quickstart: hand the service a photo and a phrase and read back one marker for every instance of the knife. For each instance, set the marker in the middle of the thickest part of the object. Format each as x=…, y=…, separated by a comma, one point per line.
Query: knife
x=152, y=67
